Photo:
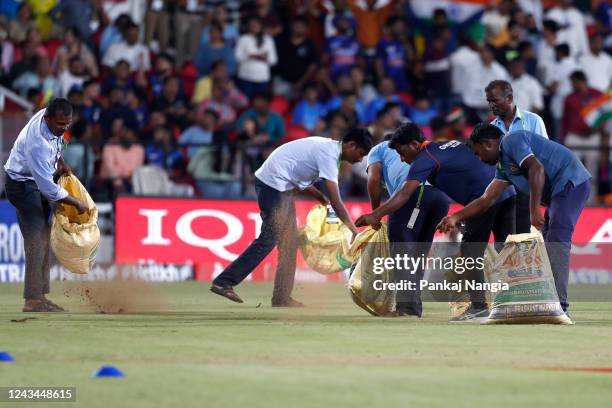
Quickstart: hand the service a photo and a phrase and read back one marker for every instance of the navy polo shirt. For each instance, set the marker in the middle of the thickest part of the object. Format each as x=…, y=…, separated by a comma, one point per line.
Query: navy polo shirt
x=453, y=168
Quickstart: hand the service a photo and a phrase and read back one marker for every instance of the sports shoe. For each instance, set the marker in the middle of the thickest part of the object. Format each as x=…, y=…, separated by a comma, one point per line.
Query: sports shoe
x=227, y=292
x=473, y=315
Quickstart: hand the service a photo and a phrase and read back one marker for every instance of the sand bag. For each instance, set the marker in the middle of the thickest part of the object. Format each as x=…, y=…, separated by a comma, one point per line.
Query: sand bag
x=532, y=296
x=324, y=241
x=75, y=237
x=367, y=246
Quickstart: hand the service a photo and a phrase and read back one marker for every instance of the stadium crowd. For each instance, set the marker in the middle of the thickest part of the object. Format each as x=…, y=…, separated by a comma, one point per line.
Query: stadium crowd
x=205, y=89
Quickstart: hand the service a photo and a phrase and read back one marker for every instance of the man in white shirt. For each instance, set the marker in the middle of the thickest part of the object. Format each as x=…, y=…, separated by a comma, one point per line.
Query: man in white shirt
x=293, y=166
x=528, y=93
x=462, y=61
x=135, y=53
x=546, y=48
x=558, y=81
x=573, y=27
x=481, y=74
x=597, y=64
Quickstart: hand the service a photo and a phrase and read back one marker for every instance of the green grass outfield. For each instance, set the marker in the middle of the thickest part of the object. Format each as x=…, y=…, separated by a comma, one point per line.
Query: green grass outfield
x=205, y=351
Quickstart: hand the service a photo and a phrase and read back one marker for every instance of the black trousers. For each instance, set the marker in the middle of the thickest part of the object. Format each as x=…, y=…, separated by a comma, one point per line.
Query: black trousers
x=499, y=219
x=415, y=241
x=33, y=212
x=278, y=228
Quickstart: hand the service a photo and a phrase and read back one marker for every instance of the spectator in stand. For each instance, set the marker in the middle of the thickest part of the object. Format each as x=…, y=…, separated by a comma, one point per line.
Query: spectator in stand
x=73, y=46
x=440, y=129
x=559, y=85
x=394, y=53
x=157, y=23
x=422, y=112
x=386, y=94
x=120, y=78
x=462, y=62
x=528, y=93
x=120, y=158
x=342, y=50
x=365, y=91
x=219, y=17
x=201, y=133
x=527, y=53
x=309, y=111
x=346, y=87
x=162, y=152
x=437, y=65
x=255, y=54
x=91, y=109
x=188, y=22
x=347, y=109
x=7, y=52
x=482, y=73
x=336, y=126
x=263, y=10
x=172, y=104
x=163, y=68
x=510, y=49
x=298, y=62
x=597, y=64
x=41, y=79
x=73, y=13
x=575, y=133
x=136, y=101
x=224, y=101
x=72, y=76
x=156, y=119
x=573, y=27
x=371, y=18
x=214, y=50
x=267, y=123
x=546, y=48
x=115, y=33
x=203, y=88
x=496, y=18
x=135, y=53
x=383, y=124
x=116, y=110
x=19, y=27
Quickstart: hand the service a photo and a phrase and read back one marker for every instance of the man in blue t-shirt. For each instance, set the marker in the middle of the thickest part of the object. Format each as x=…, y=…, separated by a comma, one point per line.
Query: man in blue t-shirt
x=454, y=169
x=427, y=208
x=550, y=173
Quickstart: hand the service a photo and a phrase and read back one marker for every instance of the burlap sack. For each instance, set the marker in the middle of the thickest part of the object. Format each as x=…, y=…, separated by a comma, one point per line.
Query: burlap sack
x=367, y=246
x=532, y=296
x=324, y=245
x=75, y=237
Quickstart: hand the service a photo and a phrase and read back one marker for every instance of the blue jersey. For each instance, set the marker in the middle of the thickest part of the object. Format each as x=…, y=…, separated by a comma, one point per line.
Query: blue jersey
x=453, y=168
x=394, y=171
x=560, y=164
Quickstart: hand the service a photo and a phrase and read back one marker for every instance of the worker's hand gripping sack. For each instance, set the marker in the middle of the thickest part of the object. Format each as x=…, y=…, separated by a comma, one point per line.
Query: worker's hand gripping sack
x=324, y=241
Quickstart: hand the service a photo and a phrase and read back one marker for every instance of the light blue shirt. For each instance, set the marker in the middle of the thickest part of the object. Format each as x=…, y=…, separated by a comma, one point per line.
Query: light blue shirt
x=523, y=120
x=394, y=170
x=561, y=166
x=195, y=135
x=34, y=157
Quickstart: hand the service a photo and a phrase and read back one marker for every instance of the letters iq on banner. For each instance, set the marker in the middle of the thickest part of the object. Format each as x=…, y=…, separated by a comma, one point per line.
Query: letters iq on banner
x=211, y=233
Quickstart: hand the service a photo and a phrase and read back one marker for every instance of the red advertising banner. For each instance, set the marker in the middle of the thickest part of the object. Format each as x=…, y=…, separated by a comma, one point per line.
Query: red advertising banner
x=211, y=233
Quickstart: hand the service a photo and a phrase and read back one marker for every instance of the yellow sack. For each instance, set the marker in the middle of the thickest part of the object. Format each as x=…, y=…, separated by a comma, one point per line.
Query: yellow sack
x=324, y=245
x=367, y=246
x=532, y=295
x=75, y=237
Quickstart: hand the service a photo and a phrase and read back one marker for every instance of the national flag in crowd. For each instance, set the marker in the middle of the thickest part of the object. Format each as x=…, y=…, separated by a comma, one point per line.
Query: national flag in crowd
x=598, y=110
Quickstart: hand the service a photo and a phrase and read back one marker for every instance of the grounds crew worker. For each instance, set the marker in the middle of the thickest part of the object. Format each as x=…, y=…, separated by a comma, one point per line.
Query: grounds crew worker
x=34, y=160
x=293, y=166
